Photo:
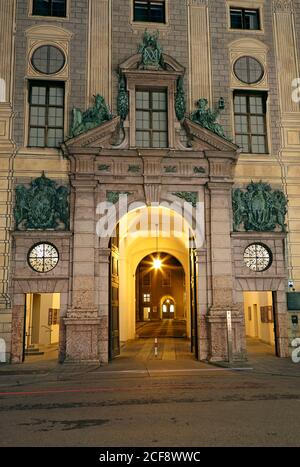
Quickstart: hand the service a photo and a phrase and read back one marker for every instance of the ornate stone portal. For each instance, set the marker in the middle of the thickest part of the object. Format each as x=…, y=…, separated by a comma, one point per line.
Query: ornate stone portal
x=217, y=158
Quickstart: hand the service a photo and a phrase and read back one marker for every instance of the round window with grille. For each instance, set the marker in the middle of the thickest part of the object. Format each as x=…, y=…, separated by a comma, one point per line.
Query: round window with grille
x=43, y=257
x=258, y=257
x=48, y=59
x=248, y=70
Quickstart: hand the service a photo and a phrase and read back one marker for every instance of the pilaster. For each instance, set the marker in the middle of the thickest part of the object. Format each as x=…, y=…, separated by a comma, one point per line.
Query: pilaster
x=199, y=51
x=82, y=321
x=7, y=148
x=103, y=294
x=202, y=302
x=222, y=274
x=99, y=79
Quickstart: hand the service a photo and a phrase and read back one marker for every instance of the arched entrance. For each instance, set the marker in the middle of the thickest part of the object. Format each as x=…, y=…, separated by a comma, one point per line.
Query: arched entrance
x=150, y=278
x=161, y=304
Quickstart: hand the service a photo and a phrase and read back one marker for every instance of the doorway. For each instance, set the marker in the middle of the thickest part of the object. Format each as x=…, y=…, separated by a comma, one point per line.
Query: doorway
x=260, y=322
x=161, y=308
x=150, y=280
x=41, y=330
x=168, y=308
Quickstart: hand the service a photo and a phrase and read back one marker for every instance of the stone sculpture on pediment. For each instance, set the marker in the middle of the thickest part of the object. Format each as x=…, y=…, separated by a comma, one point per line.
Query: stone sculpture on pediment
x=91, y=118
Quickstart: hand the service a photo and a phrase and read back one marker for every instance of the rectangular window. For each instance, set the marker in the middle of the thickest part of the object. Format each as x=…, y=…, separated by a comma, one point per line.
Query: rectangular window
x=250, y=122
x=241, y=18
x=149, y=11
x=49, y=8
x=146, y=281
x=147, y=298
x=166, y=279
x=151, y=119
x=46, y=114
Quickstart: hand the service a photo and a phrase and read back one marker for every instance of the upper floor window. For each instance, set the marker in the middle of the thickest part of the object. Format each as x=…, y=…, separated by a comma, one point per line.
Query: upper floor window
x=149, y=11
x=151, y=118
x=46, y=114
x=49, y=8
x=146, y=279
x=242, y=18
x=250, y=121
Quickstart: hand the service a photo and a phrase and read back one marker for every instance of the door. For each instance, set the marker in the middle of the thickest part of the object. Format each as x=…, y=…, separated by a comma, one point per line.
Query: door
x=193, y=300
x=35, y=319
x=168, y=309
x=255, y=317
x=274, y=302
x=114, y=326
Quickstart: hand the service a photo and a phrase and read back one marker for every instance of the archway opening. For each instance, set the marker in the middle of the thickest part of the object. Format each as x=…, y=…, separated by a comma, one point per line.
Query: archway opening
x=150, y=280
x=161, y=308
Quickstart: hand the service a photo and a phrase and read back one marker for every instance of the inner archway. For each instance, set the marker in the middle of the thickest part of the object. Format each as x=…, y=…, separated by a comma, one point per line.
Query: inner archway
x=161, y=308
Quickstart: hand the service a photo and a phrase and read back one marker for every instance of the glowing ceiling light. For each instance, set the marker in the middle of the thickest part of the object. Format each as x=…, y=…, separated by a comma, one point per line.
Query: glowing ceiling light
x=157, y=263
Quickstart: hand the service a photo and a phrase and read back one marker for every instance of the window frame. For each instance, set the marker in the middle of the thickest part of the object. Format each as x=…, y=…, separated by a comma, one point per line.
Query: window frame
x=243, y=11
x=137, y=78
x=248, y=58
x=47, y=73
x=43, y=244
x=47, y=84
x=50, y=10
x=150, y=130
x=248, y=114
x=164, y=282
x=149, y=19
x=146, y=297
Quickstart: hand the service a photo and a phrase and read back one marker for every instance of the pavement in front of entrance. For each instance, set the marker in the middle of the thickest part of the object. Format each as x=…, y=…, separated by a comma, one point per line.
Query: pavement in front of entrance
x=173, y=355
x=138, y=400
x=164, y=328
x=143, y=400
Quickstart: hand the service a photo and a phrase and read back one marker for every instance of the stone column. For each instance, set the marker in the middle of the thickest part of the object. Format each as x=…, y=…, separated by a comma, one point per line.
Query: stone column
x=222, y=275
x=202, y=303
x=82, y=321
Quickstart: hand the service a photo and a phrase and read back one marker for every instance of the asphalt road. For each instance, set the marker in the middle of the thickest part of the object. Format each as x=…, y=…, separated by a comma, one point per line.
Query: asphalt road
x=205, y=407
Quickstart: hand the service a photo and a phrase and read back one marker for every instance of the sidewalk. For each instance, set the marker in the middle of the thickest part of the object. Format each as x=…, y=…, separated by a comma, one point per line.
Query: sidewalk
x=137, y=357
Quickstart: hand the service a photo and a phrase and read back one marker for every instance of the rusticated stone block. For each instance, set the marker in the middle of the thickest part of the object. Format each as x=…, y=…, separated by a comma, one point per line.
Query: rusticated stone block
x=82, y=337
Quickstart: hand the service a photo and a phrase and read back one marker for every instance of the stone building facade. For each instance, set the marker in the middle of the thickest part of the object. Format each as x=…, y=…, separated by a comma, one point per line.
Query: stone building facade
x=232, y=53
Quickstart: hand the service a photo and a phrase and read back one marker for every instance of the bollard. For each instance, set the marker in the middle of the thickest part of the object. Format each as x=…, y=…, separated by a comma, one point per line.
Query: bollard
x=155, y=347
x=229, y=335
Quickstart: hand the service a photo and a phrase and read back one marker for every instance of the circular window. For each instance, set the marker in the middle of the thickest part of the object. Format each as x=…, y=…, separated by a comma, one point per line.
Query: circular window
x=43, y=257
x=48, y=59
x=248, y=70
x=257, y=257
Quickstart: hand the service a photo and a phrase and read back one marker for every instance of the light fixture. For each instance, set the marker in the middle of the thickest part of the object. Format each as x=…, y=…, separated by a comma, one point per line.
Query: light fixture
x=157, y=263
x=221, y=103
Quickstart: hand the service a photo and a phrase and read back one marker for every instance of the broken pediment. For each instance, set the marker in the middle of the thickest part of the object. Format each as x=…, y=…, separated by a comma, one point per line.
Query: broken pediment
x=102, y=136
x=170, y=65
x=201, y=139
